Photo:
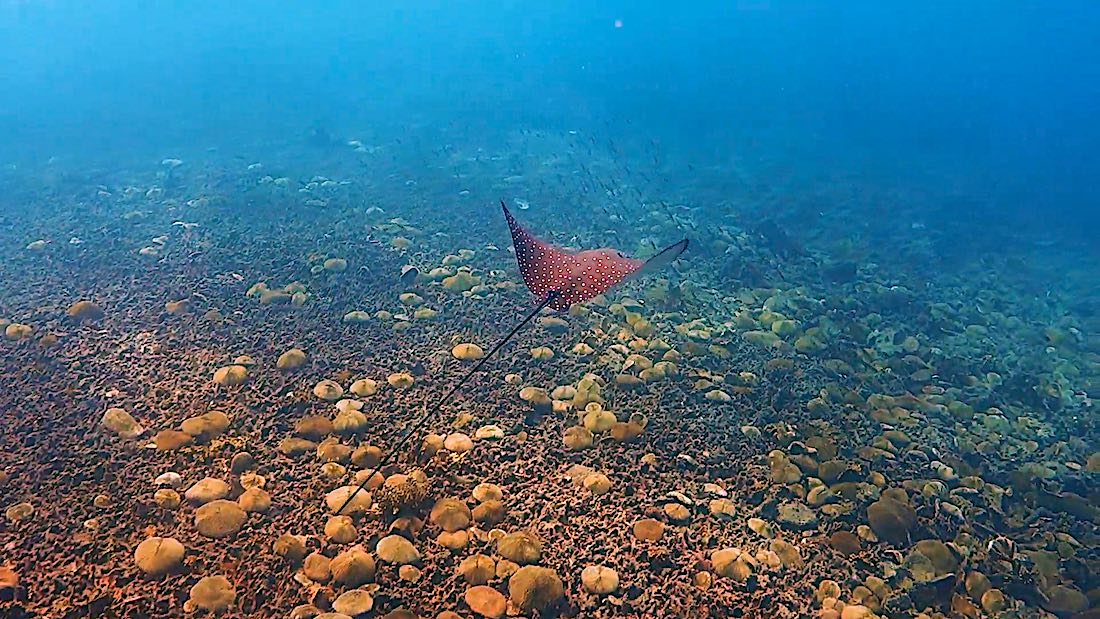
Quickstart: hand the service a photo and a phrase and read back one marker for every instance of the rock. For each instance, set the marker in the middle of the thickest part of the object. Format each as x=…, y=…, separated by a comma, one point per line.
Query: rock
x=122, y=423
x=336, y=265
x=942, y=557
x=171, y=479
x=534, y=588
x=294, y=447
x=487, y=492
x=577, y=438
x=648, y=529
x=490, y=513
x=597, y=483
x=732, y=563
x=408, y=573
x=171, y=440
x=935, y=593
x=9, y=582
x=1065, y=600
x=761, y=527
x=166, y=498
x=722, y=509
x=396, y=549
x=677, y=513
x=486, y=601
x=255, y=501
x=206, y=490
x=291, y=360
x=213, y=593
x=796, y=515
x=241, y=462
x=891, y=520
x=454, y=541
x=85, y=311
x=219, y=518
x=490, y=432
x=364, y=387
x=207, y=426
x=400, y=380
x=599, y=580
x=856, y=611
x=349, y=422
x=845, y=542
x=157, y=556
x=305, y=611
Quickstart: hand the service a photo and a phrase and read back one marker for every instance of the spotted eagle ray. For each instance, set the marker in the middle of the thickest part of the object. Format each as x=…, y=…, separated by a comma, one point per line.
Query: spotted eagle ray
x=558, y=278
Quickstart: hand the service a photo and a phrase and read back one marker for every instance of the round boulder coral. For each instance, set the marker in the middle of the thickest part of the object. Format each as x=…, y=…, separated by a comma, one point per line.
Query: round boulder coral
x=486, y=601
x=467, y=352
x=534, y=588
x=354, y=603
x=341, y=530
x=477, y=569
x=599, y=579
x=353, y=567
x=521, y=547
x=213, y=593
x=231, y=375
x=360, y=502
x=450, y=514
x=328, y=390
x=396, y=549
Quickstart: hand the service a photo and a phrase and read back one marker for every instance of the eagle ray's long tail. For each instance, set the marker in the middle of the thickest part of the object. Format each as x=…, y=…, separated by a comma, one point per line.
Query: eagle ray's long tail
x=388, y=456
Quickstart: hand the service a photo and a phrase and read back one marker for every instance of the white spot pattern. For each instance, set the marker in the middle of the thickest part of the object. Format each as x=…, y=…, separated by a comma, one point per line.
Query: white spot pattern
x=577, y=276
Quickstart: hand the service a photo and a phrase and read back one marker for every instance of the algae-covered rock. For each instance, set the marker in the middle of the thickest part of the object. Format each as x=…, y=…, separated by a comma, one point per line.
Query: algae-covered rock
x=891, y=520
x=122, y=423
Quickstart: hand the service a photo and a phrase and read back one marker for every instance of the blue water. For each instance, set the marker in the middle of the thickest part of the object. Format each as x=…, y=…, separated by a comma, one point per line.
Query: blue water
x=994, y=102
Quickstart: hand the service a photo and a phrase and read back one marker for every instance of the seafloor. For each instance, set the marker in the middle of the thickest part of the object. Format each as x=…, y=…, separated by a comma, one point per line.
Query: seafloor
x=813, y=414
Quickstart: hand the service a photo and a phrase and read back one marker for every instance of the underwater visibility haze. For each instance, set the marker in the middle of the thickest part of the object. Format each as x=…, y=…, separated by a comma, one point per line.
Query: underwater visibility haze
x=572, y=309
